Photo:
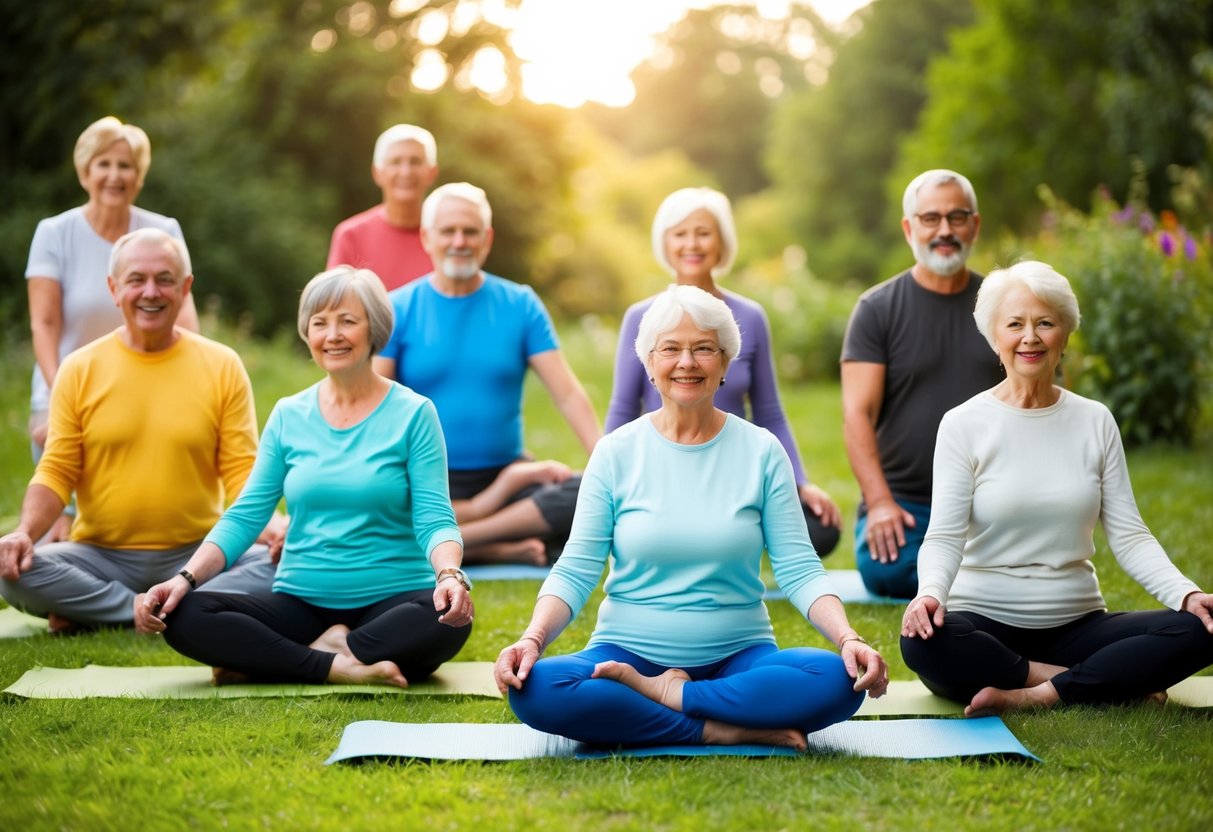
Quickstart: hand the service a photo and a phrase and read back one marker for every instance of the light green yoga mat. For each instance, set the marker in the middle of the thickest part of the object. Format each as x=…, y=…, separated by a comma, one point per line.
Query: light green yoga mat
x=16, y=624
x=913, y=699
x=194, y=682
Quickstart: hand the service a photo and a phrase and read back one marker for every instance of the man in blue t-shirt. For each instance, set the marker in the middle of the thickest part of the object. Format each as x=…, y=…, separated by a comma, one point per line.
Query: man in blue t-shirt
x=911, y=353
x=465, y=339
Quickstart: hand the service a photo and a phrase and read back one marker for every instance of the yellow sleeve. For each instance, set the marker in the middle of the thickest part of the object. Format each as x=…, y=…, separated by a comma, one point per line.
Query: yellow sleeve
x=61, y=462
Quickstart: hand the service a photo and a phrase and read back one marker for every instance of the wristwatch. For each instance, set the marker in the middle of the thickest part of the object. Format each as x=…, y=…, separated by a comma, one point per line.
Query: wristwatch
x=456, y=573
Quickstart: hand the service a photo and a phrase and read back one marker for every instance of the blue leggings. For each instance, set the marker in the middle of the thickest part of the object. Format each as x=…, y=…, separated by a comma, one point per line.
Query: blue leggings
x=897, y=578
x=759, y=687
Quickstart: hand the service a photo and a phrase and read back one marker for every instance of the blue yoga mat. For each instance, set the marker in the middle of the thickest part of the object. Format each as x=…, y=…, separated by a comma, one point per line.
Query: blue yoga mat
x=909, y=739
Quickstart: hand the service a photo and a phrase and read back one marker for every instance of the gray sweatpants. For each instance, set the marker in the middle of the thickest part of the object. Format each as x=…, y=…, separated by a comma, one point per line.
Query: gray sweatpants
x=93, y=585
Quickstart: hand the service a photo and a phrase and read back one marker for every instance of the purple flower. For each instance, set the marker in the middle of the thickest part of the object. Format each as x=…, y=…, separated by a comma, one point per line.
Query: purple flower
x=1145, y=222
x=1189, y=247
x=1124, y=216
x=1166, y=243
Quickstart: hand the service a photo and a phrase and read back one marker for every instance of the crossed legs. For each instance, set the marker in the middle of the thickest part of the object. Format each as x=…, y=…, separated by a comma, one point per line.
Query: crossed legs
x=606, y=695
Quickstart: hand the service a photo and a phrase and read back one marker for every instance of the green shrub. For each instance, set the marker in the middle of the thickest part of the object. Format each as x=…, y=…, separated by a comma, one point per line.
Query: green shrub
x=1144, y=288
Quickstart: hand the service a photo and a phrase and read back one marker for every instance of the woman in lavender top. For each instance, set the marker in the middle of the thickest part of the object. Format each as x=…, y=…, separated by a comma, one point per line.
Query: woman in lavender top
x=694, y=238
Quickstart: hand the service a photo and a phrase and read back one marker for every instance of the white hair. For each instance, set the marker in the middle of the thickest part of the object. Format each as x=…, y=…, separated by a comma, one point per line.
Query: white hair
x=154, y=236
x=1038, y=278
x=935, y=178
x=456, y=190
x=708, y=312
x=681, y=204
x=405, y=133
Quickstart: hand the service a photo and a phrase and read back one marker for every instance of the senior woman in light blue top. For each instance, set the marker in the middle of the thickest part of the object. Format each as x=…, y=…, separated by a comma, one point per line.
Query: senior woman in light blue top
x=369, y=587
x=683, y=501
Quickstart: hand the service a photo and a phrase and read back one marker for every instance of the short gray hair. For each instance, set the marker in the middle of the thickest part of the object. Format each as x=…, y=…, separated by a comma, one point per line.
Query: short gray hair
x=681, y=204
x=456, y=190
x=155, y=236
x=405, y=133
x=1038, y=278
x=328, y=288
x=935, y=178
x=707, y=311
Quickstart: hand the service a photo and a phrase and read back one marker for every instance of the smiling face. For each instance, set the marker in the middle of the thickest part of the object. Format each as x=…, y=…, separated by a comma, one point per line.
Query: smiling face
x=405, y=175
x=112, y=179
x=458, y=243
x=150, y=289
x=690, y=375
x=944, y=248
x=1029, y=337
x=339, y=337
x=693, y=247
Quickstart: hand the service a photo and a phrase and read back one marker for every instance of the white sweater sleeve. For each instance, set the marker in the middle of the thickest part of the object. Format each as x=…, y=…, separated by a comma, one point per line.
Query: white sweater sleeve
x=951, y=501
x=1135, y=548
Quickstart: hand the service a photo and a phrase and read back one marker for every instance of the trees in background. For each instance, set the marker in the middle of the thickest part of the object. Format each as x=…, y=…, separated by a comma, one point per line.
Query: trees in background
x=1066, y=94
x=832, y=146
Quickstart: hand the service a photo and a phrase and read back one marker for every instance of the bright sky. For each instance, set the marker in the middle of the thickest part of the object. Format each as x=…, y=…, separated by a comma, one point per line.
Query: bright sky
x=579, y=50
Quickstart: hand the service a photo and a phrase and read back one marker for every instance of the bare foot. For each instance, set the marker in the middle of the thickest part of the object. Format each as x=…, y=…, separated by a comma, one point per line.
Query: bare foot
x=721, y=733
x=333, y=640
x=57, y=625
x=1041, y=672
x=997, y=701
x=529, y=550
x=350, y=671
x=665, y=689
x=222, y=676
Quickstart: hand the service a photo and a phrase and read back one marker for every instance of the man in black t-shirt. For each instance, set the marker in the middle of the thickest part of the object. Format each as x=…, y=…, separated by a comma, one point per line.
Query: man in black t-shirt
x=911, y=353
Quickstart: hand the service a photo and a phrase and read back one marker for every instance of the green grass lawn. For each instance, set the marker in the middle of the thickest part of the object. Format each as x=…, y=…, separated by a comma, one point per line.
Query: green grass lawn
x=241, y=764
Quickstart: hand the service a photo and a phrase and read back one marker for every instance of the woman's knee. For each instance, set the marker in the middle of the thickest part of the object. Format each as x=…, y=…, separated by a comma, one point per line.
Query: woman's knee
x=542, y=702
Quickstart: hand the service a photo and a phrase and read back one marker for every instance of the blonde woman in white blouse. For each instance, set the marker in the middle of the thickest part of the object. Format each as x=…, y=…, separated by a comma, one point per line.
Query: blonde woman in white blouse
x=1009, y=613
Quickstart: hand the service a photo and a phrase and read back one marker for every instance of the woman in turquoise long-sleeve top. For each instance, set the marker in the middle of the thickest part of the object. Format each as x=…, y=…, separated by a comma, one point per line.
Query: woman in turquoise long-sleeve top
x=683, y=502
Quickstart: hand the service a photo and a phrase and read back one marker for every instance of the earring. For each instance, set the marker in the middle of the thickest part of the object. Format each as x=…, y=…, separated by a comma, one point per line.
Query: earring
x=722, y=381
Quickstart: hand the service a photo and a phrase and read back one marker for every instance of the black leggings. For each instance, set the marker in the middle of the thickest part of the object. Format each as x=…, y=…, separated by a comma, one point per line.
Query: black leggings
x=267, y=634
x=1113, y=657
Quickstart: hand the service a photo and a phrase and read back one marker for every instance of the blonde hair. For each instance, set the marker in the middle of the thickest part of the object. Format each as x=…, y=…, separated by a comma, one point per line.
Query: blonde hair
x=102, y=133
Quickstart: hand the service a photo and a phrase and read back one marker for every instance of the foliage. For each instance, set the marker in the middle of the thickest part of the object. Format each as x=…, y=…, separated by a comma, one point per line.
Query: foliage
x=832, y=145
x=1145, y=288
x=1062, y=94
x=711, y=88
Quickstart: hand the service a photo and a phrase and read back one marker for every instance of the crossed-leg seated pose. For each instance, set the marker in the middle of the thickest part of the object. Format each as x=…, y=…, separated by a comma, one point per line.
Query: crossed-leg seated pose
x=522, y=515
x=151, y=425
x=1009, y=613
x=369, y=587
x=465, y=339
x=684, y=501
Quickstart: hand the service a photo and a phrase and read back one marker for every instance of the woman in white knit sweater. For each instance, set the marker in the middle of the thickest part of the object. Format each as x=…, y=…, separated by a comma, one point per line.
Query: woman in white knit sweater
x=1023, y=472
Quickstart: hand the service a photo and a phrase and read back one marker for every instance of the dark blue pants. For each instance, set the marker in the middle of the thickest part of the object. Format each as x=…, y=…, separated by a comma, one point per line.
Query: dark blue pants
x=760, y=687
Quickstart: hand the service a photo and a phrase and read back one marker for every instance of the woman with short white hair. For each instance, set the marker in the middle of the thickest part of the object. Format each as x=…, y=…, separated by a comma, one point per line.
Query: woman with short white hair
x=695, y=240
x=369, y=588
x=1009, y=613
x=684, y=501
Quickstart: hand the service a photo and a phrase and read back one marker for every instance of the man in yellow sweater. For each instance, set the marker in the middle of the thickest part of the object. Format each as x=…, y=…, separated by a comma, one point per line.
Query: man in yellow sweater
x=154, y=429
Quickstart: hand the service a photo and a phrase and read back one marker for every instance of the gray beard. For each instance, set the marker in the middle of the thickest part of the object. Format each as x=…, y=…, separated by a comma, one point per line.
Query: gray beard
x=944, y=265
x=459, y=269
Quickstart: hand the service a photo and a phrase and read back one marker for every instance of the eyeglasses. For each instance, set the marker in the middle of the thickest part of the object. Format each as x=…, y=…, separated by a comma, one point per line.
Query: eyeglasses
x=931, y=219
x=699, y=352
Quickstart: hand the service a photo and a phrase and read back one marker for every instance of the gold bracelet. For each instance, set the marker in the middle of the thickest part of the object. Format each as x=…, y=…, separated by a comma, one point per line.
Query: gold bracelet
x=854, y=637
